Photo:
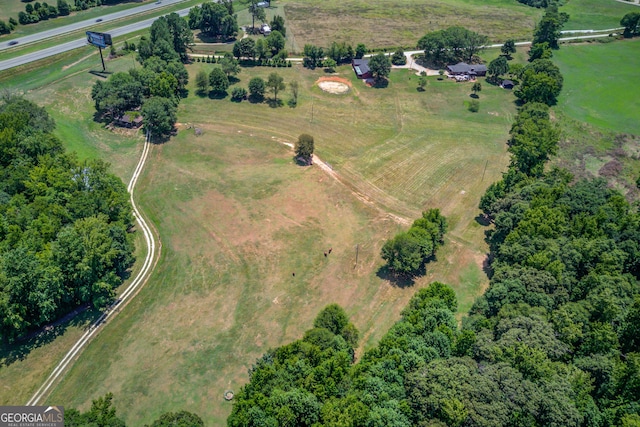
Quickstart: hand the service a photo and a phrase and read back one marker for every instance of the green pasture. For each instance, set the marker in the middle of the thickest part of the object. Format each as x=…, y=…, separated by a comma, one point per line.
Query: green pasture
x=598, y=84
x=595, y=14
x=237, y=217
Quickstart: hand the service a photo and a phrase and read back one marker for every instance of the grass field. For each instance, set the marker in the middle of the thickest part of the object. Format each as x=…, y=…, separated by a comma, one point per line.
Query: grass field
x=595, y=14
x=598, y=84
x=387, y=23
x=237, y=218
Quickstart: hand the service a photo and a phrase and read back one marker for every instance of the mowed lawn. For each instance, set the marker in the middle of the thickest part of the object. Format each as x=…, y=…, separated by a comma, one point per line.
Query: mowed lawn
x=599, y=84
x=238, y=217
x=390, y=23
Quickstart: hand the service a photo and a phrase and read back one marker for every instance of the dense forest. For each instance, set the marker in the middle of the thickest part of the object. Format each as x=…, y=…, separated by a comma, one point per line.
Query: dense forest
x=64, y=224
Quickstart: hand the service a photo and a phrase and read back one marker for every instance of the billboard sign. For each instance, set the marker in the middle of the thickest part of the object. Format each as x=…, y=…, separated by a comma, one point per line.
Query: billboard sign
x=99, y=39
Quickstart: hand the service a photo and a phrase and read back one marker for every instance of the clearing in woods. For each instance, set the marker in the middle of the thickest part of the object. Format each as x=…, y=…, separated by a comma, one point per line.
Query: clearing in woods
x=237, y=217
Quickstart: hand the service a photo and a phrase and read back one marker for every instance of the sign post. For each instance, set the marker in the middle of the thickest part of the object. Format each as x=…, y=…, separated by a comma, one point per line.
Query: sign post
x=101, y=40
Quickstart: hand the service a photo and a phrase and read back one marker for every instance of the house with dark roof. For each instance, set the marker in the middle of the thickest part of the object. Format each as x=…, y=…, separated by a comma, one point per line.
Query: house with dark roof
x=361, y=68
x=507, y=84
x=462, y=68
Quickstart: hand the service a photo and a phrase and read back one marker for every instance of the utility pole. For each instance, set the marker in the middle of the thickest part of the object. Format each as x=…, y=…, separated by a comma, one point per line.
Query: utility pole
x=485, y=169
x=104, y=68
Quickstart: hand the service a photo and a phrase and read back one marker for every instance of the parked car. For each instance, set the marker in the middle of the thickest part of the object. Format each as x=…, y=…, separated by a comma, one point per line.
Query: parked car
x=265, y=29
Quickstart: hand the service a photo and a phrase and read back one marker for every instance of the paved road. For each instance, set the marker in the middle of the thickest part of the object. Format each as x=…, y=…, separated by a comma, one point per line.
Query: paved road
x=86, y=23
x=136, y=284
x=44, y=53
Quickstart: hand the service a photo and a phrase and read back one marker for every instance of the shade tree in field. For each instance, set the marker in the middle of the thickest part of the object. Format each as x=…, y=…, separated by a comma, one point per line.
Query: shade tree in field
x=380, y=66
x=238, y=94
x=218, y=81
x=304, y=149
x=257, y=88
x=477, y=87
x=275, y=84
x=293, y=86
x=202, y=81
x=407, y=252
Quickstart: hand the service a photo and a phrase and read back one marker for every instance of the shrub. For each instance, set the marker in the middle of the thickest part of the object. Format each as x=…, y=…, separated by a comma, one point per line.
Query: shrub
x=238, y=93
x=474, y=106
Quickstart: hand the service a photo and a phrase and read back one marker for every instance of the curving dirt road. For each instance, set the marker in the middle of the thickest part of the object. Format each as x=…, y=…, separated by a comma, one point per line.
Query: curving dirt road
x=135, y=285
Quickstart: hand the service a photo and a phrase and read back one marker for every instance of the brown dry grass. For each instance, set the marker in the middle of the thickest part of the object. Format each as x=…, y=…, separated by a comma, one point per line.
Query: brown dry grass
x=387, y=23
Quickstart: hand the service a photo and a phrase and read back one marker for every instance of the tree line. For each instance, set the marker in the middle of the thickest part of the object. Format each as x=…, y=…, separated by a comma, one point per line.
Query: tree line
x=103, y=413
x=64, y=225
x=157, y=87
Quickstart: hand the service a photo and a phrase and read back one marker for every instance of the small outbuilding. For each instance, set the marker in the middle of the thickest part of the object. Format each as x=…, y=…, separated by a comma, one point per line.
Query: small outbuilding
x=129, y=120
x=464, y=69
x=507, y=84
x=361, y=68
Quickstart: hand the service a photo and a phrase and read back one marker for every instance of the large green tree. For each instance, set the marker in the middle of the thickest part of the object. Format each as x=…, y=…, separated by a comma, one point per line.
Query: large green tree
x=380, y=66
x=304, y=148
x=541, y=81
x=218, y=80
x=160, y=116
x=257, y=87
x=275, y=83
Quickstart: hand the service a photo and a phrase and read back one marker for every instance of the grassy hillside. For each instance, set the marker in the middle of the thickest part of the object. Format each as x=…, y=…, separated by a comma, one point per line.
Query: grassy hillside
x=595, y=14
x=237, y=218
x=598, y=83
x=386, y=23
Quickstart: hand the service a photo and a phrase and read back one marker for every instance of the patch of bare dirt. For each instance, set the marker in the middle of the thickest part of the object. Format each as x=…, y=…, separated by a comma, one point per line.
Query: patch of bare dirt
x=334, y=85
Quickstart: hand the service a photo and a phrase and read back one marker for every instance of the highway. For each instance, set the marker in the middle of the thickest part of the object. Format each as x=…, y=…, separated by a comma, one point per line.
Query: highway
x=86, y=23
x=55, y=50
